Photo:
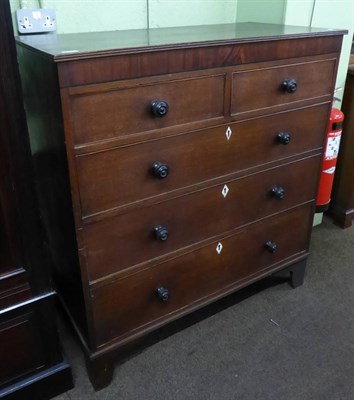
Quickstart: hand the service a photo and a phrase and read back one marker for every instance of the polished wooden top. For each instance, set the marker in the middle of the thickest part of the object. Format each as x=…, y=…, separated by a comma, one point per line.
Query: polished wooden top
x=63, y=47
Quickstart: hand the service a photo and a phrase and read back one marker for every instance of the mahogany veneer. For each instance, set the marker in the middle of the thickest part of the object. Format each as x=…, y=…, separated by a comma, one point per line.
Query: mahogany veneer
x=179, y=165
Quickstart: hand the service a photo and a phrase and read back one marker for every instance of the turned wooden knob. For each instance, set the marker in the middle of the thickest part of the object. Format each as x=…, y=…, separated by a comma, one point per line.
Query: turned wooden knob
x=161, y=233
x=289, y=85
x=162, y=293
x=271, y=246
x=159, y=108
x=278, y=192
x=160, y=170
x=284, y=137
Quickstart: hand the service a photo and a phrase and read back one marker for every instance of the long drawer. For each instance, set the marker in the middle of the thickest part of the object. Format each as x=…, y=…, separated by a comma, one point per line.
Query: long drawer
x=149, y=232
x=135, y=302
x=116, y=177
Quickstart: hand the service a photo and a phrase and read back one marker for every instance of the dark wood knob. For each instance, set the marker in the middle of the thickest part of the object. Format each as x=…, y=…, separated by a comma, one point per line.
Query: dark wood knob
x=160, y=170
x=284, y=137
x=159, y=108
x=161, y=233
x=271, y=246
x=163, y=293
x=289, y=85
x=278, y=192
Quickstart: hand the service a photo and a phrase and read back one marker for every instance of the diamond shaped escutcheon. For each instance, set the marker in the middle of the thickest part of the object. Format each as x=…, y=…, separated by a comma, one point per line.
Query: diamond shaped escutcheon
x=225, y=190
x=219, y=248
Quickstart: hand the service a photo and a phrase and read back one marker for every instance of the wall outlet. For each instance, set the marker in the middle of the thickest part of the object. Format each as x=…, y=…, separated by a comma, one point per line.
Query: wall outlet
x=36, y=20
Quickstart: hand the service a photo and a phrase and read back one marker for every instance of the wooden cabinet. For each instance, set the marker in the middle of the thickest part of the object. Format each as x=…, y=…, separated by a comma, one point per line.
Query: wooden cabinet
x=174, y=167
x=31, y=360
x=342, y=199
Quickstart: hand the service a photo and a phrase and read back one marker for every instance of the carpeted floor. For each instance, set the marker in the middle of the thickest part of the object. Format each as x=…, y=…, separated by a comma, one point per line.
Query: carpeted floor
x=276, y=344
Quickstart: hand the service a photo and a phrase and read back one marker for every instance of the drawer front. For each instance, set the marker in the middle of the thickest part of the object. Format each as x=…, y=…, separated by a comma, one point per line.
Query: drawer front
x=21, y=352
x=106, y=112
x=120, y=176
x=14, y=288
x=262, y=89
x=132, y=304
x=140, y=235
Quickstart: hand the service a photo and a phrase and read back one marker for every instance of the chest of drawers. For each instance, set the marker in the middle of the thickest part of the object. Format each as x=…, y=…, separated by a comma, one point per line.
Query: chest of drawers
x=174, y=167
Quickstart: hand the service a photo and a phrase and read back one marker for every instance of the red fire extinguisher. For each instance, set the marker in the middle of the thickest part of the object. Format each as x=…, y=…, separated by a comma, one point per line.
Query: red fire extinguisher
x=330, y=159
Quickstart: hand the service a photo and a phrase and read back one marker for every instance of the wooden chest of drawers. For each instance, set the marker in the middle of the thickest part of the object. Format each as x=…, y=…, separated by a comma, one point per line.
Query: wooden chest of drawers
x=174, y=167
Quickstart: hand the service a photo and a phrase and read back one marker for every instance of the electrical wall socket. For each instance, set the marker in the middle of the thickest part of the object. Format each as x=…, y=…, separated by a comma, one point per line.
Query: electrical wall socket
x=36, y=20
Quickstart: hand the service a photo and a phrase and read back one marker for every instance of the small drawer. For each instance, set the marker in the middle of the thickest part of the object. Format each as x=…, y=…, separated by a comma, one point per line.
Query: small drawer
x=111, y=110
x=266, y=89
x=116, y=177
x=149, y=297
x=146, y=233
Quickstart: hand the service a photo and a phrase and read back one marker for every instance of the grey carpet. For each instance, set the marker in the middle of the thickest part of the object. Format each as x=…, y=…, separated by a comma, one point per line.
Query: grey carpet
x=279, y=343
